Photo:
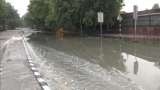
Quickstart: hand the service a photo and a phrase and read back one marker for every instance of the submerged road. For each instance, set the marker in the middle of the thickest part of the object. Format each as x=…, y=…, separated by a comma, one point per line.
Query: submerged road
x=77, y=63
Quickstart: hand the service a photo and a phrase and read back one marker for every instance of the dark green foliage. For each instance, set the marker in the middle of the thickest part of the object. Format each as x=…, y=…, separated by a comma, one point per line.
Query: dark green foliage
x=71, y=14
x=38, y=12
x=9, y=18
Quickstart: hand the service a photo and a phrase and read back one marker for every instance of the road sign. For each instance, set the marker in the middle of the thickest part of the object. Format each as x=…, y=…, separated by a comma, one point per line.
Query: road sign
x=100, y=17
x=119, y=18
x=135, y=16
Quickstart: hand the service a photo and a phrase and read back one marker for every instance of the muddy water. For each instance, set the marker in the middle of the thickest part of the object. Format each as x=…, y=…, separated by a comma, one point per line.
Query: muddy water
x=83, y=64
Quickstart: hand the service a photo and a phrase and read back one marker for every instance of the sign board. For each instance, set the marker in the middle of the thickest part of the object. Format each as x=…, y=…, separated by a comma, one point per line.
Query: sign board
x=100, y=17
x=119, y=18
x=135, y=13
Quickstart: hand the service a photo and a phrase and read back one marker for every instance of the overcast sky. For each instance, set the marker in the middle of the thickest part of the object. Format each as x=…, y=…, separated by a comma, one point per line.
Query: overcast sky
x=142, y=4
x=21, y=5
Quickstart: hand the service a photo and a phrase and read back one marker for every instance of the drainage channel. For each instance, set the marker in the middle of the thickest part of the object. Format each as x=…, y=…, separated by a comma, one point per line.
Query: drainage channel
x=43, y=84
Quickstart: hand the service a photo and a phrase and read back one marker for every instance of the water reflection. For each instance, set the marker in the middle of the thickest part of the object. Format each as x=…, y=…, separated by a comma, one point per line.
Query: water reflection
x=136, y=67
x=142, y=71
x=131, y=59
x=101, y=53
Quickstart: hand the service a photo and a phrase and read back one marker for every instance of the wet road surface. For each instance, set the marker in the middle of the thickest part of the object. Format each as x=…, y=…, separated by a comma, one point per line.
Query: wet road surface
x=79, y=64
x=15, y=74
x=82, y=63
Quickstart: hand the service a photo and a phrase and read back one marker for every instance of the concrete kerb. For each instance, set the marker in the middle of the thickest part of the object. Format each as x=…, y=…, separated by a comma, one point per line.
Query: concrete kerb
x=43, y=84
x=38, y=76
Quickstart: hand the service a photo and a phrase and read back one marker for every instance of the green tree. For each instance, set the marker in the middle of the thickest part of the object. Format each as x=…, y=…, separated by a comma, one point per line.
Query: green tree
x=12, y=18
x=9, y=17
x=73, y=14
x=2, y=14
x=38, y=11
x=156, y=6
x=84, y=12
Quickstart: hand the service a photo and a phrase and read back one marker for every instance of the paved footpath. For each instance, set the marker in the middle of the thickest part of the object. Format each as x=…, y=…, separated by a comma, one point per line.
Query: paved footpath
x=14, y=70
x=152, y=37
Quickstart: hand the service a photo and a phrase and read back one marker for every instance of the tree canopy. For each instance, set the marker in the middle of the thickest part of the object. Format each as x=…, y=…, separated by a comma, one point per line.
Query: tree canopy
x=9, y=17
x=156, y=6
x=71, y=13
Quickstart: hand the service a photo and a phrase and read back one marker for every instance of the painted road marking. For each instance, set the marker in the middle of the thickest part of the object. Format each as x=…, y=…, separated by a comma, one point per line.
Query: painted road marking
x=41, y=80
x=29, y=58
x=34, y=69
x=45, y=87
x=36, y=73
x=30, y=61
x=31, y=64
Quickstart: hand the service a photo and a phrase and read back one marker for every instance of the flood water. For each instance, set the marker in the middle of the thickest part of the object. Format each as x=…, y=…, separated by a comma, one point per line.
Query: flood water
x=84, y=64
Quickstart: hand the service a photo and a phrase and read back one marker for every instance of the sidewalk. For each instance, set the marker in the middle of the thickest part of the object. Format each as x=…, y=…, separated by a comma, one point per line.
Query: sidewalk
x=132, y=36
x=15, y=73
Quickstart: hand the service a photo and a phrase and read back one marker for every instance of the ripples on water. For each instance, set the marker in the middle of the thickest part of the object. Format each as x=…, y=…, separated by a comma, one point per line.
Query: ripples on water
x=65, y=72
x=73, y=64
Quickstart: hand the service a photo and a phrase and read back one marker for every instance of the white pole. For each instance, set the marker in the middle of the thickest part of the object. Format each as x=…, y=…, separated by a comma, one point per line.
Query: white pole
x=135, y=27
x=101, y=20
x=135, y=16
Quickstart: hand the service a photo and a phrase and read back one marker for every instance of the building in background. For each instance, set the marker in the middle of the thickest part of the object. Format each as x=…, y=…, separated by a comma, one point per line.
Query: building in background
x=148, y=23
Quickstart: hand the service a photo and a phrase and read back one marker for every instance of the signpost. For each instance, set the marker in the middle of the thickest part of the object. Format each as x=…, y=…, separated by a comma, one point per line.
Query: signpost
x=100, y=17
x=119, y=18
x=101, y=20
x=135, y=17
